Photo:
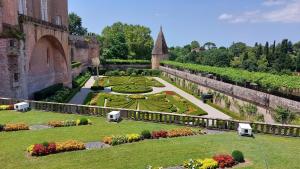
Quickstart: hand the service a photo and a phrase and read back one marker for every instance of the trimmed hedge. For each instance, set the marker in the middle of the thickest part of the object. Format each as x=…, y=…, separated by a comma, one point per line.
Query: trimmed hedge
x=133, y=62
x=43, y=94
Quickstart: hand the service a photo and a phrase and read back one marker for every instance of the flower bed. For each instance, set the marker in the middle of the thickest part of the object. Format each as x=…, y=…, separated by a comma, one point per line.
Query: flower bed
x=129, y=138
x=52, y=148
x=6, y=107
x=218, y=161
x=68, y=123
x=13, y=127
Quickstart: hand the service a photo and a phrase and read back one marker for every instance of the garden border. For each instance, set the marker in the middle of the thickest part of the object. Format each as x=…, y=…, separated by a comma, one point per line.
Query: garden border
x=160, y=117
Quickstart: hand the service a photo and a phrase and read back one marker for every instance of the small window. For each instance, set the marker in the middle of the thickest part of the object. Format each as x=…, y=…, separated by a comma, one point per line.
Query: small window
x=22, y=7
x=44, y=10
x=12, y=43
x=16, y=77
x=48, y=56
x=111, y=116
x=58, y=20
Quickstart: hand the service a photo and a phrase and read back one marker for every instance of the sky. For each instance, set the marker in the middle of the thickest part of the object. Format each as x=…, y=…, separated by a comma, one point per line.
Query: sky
x=220, y=21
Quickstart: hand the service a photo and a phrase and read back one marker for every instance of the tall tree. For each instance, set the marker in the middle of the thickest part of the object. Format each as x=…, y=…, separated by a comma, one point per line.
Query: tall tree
x=195, y=45
x=209, y=45
x=75, y=25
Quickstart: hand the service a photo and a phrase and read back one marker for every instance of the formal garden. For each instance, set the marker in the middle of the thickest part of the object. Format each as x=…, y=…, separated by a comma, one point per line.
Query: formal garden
x=143, y=144
x=161, y=102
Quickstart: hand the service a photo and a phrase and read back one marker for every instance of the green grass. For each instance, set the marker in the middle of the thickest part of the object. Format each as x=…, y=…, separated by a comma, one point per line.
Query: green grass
x=278, y=152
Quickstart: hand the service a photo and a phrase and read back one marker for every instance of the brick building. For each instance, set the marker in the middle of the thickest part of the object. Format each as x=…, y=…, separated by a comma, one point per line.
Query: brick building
x=34, y=46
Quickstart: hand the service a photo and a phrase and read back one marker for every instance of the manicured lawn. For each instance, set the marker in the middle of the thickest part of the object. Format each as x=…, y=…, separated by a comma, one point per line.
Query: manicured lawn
x=276, y=152
x=162, y=102
x=129, y=84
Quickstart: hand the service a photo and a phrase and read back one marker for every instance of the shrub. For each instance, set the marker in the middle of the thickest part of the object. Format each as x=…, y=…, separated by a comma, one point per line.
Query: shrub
x=192, y=164
x=107, y=140
x=6, y=107
x=69, y=123
x=181, y=132
x=16, y=127
x=159, y=134
x=2, y=127
x=117, y=140
x=146, y=134
x=97, y=88
x=133, y=137
x=238, y=156
x=71, y=145
x=137, y=97
x=83, y=121
x=43, y=94
x=209, y=163
x=224, y=160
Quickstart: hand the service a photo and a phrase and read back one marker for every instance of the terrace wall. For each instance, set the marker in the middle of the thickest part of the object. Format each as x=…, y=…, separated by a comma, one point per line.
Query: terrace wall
x=125, y=66
x=265, y=100
x=158, y=117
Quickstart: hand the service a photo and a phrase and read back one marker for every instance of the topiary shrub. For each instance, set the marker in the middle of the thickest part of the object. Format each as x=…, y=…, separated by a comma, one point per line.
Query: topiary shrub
x=84, y=121
x=146, y=134
x=238, y=156
x=1, y=127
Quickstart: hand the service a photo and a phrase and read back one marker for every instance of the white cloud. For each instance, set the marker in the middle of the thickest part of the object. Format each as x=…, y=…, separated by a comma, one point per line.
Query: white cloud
x=274, y=2
x=225, y=16
x=288, y=13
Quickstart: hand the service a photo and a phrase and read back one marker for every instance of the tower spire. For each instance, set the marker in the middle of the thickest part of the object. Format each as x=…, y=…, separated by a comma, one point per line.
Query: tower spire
x=160, y=50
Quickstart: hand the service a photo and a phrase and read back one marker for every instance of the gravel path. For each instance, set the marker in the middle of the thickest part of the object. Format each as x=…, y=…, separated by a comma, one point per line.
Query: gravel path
x=212, y=112
x=85, y=90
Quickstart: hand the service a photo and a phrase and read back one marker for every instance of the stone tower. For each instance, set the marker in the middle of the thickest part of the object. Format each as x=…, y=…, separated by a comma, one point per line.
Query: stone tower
x=160, y=51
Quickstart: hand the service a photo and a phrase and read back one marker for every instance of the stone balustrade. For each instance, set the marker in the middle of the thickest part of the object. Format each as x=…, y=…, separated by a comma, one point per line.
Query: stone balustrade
x=159, y=117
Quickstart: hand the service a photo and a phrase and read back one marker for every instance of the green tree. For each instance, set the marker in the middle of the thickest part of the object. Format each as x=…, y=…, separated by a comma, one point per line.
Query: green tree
x=262, y=64
x=195, y=45
x=238, y=48
x=209, y=45
x=114, y=42
x=132, y=41
x=75, y=25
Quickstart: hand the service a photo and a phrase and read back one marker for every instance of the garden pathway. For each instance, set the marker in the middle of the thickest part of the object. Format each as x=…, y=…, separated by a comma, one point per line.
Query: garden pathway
x=212, y=112
x=84, y=91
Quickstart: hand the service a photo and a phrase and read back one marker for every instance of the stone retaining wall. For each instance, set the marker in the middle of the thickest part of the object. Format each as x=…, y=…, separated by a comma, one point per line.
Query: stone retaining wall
x=259, y=98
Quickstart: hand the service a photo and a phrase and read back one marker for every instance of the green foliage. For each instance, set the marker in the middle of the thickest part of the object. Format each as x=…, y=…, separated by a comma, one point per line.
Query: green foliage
x=284, y=115
x=154, y=102
x=146, y=134
x=131, y=61
x=117, y=140
x=80, y=80
x=267, y=81
x=132, y=89
x=83, y=121
x=123, y=41
x=75, y=25
x=40, y=95
x=238, y=156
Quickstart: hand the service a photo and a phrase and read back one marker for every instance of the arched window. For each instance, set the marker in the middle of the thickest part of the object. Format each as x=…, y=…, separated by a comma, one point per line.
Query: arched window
x=22, y=7
x=44, y=10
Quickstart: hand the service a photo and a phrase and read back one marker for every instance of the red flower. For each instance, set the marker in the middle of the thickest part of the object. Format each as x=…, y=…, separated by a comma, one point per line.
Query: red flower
x=39, y=150
x=224, y=160
x=159, y=134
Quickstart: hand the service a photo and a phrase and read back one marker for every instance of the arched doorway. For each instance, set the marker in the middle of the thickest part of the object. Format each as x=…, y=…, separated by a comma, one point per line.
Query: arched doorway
x=47, y=64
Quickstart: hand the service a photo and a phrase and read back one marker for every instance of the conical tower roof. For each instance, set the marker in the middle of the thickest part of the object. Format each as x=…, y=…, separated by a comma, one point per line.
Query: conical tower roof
x=160, y=47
